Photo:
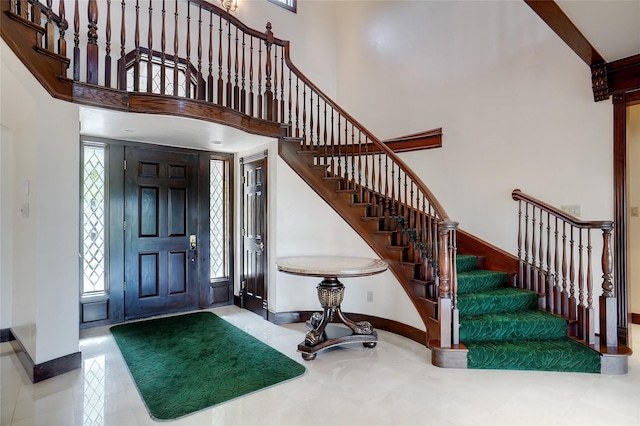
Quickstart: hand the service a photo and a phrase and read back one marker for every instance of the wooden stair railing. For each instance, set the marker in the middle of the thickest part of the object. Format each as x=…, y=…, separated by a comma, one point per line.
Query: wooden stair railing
x=196, y=60
x=555, y=260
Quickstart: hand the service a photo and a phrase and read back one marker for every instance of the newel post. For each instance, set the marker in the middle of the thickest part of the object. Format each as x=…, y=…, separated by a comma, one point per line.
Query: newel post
x=608, y=302
x=268, y=94
x=447, y=317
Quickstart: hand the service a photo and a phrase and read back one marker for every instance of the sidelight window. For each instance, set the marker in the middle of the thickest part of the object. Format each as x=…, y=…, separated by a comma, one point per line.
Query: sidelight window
x=218, y=218
x=93, y=215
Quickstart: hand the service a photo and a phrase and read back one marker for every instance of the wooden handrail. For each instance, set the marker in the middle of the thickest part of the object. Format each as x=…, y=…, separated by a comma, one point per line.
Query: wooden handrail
x=593, y=224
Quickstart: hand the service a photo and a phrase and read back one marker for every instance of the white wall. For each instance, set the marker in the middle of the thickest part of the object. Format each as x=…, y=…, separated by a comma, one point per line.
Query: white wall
x=44, y=259
x=633, y=179
x=514, y=102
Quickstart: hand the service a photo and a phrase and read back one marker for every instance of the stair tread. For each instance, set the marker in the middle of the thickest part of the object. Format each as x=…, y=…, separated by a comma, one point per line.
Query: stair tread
x=499, y=300
x=532, y=324
x=481, y=280
x=562, y=354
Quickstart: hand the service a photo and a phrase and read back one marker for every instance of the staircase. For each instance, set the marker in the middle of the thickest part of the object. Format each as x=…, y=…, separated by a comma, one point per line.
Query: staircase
x=502, y=327
x=482, y=307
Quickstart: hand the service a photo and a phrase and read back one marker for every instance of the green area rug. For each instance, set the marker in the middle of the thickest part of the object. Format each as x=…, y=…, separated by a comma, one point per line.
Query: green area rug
x=186, y=363
x=502, y=327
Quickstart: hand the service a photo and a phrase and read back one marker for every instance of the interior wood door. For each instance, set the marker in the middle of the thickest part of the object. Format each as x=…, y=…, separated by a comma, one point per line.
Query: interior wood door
x=161, y=212
x=254, y=283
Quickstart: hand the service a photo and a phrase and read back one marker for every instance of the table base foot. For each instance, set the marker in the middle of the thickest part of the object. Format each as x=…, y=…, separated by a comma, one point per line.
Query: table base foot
x=335, y=336
x=309, y=357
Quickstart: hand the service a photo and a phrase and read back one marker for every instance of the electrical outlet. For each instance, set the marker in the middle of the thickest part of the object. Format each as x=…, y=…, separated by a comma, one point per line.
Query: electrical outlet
x=369, y=296
x=634, y=211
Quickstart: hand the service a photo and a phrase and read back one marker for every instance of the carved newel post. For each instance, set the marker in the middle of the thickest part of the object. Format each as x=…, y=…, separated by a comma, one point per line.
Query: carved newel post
x=446, y=283
x=608, y=302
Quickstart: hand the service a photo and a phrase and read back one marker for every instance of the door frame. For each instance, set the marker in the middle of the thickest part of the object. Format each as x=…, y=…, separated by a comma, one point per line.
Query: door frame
x=263, y=155
x=621, y=101
x=111, y=303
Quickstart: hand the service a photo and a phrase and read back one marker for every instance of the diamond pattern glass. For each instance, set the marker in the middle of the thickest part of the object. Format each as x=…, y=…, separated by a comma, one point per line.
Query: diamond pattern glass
x=168, y=78
x=93, y=220
x=218, y=219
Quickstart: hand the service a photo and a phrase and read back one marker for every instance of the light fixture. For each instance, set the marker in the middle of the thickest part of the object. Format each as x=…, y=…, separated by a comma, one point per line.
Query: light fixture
x=229, y=5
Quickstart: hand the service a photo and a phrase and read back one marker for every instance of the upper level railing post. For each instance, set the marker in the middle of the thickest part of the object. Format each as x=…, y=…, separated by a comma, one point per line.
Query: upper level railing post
x=62, y=43
x=92, y=43
x=268, y=94
x=608, y=302
x=49, y=27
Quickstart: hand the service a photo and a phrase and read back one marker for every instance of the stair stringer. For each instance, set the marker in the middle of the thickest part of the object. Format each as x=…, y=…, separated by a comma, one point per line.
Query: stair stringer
x=25, y=40
x=353, y=214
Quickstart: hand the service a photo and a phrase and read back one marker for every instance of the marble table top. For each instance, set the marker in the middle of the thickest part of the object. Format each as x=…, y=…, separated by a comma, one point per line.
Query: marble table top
x=331, y=266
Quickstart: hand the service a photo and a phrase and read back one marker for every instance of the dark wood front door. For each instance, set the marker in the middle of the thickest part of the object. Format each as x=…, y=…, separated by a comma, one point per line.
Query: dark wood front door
x=161, y=212
x=254, y=285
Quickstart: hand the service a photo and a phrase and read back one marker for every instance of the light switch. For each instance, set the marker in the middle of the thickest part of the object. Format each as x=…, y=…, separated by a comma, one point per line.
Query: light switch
x=634, y=211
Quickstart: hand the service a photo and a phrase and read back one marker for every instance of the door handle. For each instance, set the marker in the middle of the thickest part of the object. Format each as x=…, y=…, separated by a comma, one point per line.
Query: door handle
x=261, y=246
x=192, y=242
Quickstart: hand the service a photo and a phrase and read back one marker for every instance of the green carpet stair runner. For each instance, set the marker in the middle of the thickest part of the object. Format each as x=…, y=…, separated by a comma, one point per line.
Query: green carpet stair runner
x=502, y=327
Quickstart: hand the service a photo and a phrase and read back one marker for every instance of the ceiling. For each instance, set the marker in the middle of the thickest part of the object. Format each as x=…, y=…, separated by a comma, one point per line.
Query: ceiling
x=170, y=131
x=612, y=27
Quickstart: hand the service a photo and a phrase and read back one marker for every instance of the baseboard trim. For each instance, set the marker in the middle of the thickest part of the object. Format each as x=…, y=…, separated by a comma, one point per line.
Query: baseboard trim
x=6, y=335
x=635, y=318
x=47, y=369
x=391, y=326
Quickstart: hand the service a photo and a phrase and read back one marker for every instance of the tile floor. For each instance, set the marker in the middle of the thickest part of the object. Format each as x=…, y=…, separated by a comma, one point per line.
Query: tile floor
x=392, y=384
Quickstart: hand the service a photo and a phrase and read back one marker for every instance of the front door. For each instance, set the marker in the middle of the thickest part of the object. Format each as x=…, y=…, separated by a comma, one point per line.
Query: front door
x=254, y=287
x=161, y=211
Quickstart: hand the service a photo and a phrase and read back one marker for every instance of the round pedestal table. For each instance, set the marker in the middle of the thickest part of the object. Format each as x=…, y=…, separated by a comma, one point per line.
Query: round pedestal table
x=321, y=335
